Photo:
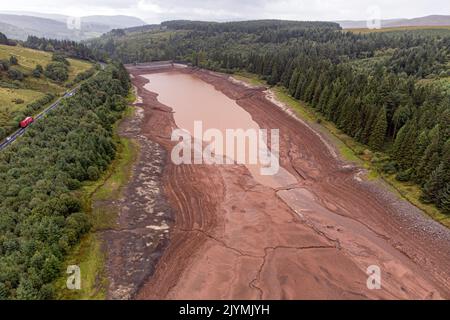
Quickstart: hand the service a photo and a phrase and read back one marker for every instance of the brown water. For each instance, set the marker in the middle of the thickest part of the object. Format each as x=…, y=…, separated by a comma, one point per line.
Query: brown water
x=192, y=100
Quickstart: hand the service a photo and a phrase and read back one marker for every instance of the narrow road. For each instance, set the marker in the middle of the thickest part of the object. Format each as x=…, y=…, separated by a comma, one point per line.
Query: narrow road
x=9, y=140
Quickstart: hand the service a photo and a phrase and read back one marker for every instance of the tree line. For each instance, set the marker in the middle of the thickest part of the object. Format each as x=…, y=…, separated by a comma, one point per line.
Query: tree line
x=4, y=40
x=380, y=88
x=41, y=218
x=72, y=49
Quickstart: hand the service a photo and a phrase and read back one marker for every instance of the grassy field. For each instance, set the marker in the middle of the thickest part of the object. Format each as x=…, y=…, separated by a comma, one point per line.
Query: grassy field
x=29, y=58
x=8, y=96
x=30, y=88
x=89, y=255
x=352, y=150
x=431, y=29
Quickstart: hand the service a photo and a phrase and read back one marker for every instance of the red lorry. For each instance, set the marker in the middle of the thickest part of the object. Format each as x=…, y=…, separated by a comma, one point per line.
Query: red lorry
x=26, y=122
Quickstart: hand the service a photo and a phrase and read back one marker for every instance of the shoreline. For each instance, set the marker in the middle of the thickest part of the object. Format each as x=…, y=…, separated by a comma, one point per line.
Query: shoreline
x=159, y=282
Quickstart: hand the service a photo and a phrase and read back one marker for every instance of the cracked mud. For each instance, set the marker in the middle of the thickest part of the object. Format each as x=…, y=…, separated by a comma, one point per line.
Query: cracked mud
x=234, y=238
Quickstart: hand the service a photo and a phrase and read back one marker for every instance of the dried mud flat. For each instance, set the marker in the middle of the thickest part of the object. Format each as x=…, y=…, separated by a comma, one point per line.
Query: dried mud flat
x=137, y=240
x=232, y=238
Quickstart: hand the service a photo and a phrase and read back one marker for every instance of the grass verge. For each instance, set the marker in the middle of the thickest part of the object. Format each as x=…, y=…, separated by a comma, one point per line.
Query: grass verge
x=96, y=197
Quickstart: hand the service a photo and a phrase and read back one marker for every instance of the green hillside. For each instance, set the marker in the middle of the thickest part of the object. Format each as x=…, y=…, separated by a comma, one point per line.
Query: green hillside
x=23, y=91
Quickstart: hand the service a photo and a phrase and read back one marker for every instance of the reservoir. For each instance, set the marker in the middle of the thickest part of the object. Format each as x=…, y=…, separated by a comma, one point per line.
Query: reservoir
x=193, y=100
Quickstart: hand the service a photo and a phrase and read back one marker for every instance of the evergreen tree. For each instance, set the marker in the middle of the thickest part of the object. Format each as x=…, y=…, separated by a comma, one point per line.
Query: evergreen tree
x=293, y=82
x=431, y=189
x=377, y=136
x=323, y=100
x=445, y=199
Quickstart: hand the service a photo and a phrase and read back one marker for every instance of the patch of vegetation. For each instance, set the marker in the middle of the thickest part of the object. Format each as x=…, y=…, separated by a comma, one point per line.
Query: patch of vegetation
x=42, y=216
x=57, y=71
x=95, y=198
x=354, y=151
x=22, y=78
x=425, y=30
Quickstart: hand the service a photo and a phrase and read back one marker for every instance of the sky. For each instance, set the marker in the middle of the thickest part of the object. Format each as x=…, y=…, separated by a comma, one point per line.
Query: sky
x=155, y=11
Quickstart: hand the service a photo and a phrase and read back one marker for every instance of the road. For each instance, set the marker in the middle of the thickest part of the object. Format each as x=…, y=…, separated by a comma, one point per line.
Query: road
x=9, y=140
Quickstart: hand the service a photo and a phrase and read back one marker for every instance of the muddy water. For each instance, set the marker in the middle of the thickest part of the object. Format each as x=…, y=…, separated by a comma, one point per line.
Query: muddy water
x=195, y=100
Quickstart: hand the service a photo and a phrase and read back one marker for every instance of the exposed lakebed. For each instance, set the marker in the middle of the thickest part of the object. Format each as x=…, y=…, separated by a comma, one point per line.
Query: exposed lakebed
x=310, y=233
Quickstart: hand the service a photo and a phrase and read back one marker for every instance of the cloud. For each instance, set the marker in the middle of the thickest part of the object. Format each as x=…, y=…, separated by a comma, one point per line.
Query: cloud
x=158, y=10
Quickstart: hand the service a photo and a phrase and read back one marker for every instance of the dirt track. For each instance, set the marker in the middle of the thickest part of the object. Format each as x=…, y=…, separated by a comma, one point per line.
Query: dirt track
x=236, y=239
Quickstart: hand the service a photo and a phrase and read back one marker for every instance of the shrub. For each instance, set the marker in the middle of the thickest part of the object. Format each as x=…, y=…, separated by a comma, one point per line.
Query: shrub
x=57, y=71
x=15, y=74
x=404, y=175
x=13, y=60
x=18, y=101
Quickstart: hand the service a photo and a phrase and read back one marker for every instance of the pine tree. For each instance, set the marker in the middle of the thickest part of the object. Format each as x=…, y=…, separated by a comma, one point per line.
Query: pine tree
x=430, y=159
x=298, y=89
x=275, y=76
x=422, y=143
x=309, y=92
x=397, y=148
x=407, y=149
x=293, y=82
x=346, y=117
x=324, y=96
x=378, y=134
x=445, y=199
x=287, y=74
x=316, y=95
x=431, y=189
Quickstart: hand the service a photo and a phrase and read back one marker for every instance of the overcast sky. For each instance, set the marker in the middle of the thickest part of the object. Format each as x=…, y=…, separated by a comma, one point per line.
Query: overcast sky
x=155, y=11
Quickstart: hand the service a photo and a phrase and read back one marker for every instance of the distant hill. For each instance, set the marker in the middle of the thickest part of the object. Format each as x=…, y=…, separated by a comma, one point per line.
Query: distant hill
x=433, y=20
x=20, y=26
x=114, y=22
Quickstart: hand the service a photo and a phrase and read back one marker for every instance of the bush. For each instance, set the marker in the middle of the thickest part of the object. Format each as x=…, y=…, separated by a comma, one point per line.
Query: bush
x=389, y=167
x=4, y=65
x=93, y=173
x=37, y=72
x=13, y=60
x=15, y=74
x=18, y=101
x=57, y=71
x=404, y=175
x=84, y=75
x=38, y=104
x=59, y=57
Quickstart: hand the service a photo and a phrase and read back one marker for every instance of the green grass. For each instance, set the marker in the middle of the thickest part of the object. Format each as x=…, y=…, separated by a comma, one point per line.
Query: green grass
x=395, y=29
x=351, y=150
x=30, y=88
x=113, y=185
x=29, y=58
x=249, y=78
x=412, y=193
x=88, y=255
x=7, y=97
x=90, y=258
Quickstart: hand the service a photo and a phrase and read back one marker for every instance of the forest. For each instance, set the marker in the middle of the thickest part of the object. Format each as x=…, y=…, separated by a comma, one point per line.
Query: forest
x=71, y=49
x=388, y=90
x=41, y=219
